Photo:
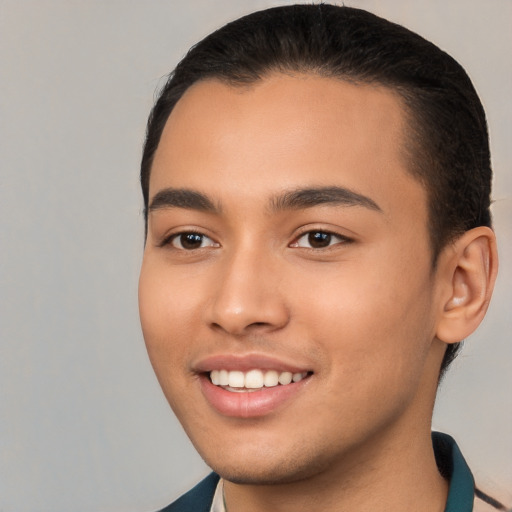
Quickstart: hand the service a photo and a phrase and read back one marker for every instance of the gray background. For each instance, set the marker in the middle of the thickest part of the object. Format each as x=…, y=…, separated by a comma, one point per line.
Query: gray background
x=83, y=423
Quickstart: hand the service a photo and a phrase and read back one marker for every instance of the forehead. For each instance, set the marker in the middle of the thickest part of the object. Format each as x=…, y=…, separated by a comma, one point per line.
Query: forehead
x=286, y=131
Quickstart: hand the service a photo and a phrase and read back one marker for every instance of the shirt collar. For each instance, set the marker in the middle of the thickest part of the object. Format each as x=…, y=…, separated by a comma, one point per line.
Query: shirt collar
x=454, y=468
x=218, y=498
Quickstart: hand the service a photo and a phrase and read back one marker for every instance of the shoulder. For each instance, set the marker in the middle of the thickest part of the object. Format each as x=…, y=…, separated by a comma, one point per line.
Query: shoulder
x=198, y=499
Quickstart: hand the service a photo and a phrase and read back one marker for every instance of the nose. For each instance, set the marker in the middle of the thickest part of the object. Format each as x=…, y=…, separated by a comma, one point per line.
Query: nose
x=248, y=295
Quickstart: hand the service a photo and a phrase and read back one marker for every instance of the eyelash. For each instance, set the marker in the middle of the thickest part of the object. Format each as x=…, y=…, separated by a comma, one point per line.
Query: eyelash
x=177, y=236
x=325, y=236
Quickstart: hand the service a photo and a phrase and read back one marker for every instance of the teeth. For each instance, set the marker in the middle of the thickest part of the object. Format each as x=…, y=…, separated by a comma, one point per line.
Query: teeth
x=254, y=379
x=236, y=380
x=285, y=378
x=271, y=379
x=223, y=377
x=214, y=376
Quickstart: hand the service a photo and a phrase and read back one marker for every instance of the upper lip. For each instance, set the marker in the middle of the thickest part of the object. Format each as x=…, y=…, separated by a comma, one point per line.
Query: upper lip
x=246, y=362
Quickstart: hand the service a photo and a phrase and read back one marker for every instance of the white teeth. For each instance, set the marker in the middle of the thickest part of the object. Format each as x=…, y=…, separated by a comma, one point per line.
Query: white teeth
x=285, y=378
x=254, y=379
x=223, y=378
x=236, y=380
x=271, y=379
x=214, y=376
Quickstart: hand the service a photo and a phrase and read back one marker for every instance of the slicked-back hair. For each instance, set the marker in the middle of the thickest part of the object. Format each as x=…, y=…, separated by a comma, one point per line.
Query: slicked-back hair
x=446, y=142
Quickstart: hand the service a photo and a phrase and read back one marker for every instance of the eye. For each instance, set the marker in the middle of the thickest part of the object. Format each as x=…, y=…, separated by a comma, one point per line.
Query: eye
x=319, y=240
x=190, y=241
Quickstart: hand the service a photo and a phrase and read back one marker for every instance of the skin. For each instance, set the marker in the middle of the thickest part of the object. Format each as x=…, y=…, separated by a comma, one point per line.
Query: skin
x=362, y=314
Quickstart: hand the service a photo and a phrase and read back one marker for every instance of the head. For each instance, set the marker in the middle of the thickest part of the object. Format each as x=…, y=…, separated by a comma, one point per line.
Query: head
x=316, y=183
x=447, y=139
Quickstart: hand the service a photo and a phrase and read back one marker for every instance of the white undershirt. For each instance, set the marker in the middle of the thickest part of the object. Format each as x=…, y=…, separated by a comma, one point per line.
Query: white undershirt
x=218, y=498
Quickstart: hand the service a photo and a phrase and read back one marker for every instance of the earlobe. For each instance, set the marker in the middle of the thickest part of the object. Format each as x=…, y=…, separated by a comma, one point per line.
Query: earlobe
x=469, y=273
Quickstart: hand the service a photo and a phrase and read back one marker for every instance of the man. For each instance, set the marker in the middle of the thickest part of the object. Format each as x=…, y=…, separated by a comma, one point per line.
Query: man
x=317, y=191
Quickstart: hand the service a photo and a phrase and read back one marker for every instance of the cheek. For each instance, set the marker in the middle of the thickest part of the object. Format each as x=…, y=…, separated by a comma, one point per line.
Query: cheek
x=166, y=315
x=169, y=321
x=369, y=320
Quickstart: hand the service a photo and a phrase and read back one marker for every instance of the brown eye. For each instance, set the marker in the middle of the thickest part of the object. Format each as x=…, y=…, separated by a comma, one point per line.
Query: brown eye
x=191, y=241
x=319, y=240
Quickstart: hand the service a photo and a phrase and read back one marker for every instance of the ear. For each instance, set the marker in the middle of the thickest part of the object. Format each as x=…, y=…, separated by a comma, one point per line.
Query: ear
x=469, y=268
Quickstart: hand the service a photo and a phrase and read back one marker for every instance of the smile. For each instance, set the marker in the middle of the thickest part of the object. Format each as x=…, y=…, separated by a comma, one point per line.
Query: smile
x=254, y=392
x=238, y=381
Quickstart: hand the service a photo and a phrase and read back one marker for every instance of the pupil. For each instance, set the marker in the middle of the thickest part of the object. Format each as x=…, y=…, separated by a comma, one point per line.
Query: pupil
x=319, y=239
x=191, y=240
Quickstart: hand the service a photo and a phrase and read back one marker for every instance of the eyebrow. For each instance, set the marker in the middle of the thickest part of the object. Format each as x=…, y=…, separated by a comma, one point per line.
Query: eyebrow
x=310, y=197
x=291, y=200
x=182, y=198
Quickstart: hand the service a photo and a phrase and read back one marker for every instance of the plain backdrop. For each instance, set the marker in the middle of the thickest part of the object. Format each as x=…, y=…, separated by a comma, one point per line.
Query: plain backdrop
x=83, y=423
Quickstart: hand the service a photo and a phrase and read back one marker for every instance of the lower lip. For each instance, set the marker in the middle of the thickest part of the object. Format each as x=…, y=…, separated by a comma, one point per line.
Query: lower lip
x=249, y=404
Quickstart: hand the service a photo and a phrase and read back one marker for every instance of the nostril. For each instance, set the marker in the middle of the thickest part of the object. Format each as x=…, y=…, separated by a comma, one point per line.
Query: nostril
x=240, y=313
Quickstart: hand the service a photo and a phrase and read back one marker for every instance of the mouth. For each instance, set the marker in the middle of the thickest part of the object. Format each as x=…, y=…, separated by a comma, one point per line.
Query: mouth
x=252, y=386
x=236, y=381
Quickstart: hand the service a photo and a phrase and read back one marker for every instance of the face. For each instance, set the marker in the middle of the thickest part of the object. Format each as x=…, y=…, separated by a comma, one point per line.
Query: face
x=287, y=296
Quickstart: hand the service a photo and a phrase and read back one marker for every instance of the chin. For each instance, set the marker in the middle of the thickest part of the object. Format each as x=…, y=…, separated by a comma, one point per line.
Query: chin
x=269, y=471
x=247, y=476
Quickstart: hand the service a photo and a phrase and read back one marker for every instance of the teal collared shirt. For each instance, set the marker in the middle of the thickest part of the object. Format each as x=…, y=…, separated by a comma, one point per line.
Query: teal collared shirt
x=454, y=468
x=449, y=460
